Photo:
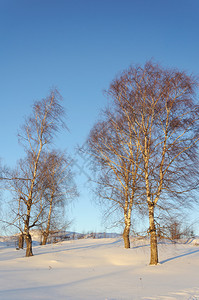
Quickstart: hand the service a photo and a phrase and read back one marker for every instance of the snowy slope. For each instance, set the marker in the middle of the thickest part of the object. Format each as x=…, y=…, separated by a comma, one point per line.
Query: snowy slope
x=99, y=269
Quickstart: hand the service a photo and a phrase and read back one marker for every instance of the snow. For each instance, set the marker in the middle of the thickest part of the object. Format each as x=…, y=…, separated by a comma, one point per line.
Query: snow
x=99, y=269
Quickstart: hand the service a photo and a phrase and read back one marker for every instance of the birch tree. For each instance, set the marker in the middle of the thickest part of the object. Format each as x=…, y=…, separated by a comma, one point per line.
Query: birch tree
x=36, y=135
x=20, y=188
x=162, y=108
x=116, y=157
x=59, y=189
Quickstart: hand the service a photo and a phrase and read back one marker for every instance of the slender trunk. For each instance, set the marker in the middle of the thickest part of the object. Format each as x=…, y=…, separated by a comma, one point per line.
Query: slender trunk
x=44, y=238
x=28, y=245
x=21, y=241
x=126, y=237
x=153, y=236
x=151, y=206
x=29, y=205
x=46, y=232
x=28, y=238
x=127, y=231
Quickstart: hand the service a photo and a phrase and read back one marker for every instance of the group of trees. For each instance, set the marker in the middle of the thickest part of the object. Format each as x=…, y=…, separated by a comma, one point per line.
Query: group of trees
x=145, y=149
x=144, y=152
x=42, y=181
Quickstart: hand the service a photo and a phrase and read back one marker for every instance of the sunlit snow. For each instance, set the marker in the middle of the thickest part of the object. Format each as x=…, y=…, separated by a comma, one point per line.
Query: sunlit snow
x=99, y=269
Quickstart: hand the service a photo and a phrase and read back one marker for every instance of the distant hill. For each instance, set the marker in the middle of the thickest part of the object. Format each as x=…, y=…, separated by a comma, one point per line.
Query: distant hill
x=57, y=236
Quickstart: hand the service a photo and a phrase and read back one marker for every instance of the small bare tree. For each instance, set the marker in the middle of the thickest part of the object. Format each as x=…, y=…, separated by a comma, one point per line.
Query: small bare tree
x=20, y=189
x=160, y=106
x=58, y=189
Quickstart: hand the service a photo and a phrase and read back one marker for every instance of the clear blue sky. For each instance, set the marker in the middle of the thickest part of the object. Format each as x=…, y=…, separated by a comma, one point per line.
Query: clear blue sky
x=79, y=46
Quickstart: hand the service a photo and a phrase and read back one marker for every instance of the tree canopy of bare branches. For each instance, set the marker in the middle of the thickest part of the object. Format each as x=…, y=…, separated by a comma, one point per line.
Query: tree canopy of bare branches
x=59, y=188
x=117, y=157
x=159, y=107
x=36, y=135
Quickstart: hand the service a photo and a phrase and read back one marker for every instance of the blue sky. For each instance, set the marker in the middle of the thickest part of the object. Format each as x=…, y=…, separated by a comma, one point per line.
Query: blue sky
x=79, y=46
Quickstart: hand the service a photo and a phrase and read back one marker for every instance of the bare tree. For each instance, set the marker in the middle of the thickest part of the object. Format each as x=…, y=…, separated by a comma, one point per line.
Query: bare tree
x=58, y=190
x=159, y=104
x=116, y=158
x=20, y=189
x=36, y=135
x=176, y=226
x=11, y=182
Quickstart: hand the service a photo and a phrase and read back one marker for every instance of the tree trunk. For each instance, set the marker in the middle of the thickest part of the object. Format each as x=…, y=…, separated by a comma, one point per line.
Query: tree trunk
x=127, y=231
x=21, y=241
x=46, y=232
x=126, y=238
x=28, y=245
x=153, y=237
x=44, y=238
x=27, y=232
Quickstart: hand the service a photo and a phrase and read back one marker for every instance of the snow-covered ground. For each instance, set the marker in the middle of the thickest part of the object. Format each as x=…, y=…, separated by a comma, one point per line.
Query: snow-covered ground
x=99, y=269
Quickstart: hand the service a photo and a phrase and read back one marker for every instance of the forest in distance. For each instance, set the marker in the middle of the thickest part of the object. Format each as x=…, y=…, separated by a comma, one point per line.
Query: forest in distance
x=143, y=155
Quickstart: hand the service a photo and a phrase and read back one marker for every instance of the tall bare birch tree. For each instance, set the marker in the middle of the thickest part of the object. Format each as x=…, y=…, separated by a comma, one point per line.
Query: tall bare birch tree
x=36, y=135
x=116, y=156
x=161, y=106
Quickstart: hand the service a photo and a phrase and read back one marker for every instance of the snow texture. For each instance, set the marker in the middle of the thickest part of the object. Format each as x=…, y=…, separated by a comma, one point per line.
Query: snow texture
x=99, y=269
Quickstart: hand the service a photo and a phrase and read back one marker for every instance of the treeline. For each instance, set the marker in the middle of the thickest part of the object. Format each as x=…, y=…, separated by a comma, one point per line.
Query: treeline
x=143, y=150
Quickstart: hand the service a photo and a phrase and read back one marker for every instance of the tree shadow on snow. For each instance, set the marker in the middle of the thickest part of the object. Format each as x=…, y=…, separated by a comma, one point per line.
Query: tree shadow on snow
x=140, y=246
x=178, y=256
x=44, y=291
